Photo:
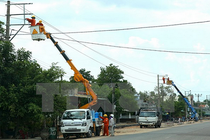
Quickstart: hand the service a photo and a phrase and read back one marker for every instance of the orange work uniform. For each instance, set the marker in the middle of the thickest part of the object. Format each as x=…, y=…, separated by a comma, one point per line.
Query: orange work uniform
x=106, y=125
x=32, y=21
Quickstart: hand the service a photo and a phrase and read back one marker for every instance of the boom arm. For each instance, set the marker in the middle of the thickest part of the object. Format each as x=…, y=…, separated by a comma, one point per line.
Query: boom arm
x=77, y=75
x=194, y=113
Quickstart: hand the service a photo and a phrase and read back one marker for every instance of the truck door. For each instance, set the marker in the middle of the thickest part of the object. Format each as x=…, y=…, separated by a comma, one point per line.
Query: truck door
x=89, y=119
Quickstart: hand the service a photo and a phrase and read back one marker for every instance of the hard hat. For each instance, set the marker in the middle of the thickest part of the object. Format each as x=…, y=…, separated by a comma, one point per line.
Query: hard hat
x=40, y=21
x=111, y=115
x=105, y=115
x=33, y=16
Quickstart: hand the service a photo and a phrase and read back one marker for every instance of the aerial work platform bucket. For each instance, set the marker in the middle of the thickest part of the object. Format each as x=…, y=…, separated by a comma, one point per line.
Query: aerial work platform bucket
x=36, y=34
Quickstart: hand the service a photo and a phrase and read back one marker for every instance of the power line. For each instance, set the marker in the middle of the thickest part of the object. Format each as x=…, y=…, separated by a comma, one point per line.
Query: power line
x=137, y=28
x=133, y=48
x=125, y=65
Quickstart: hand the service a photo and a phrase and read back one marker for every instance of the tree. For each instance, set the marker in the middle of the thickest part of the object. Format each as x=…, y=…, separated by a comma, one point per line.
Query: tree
x=110, y=74
x=179, y=107
x=123, y=91
x=2, y=31
x=85, y=74
x=20, y=106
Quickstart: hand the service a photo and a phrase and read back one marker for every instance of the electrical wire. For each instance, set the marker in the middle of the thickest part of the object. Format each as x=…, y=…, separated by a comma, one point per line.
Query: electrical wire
x=143, y=49
x=136, y=28
x=125, y=65
x=83, y=45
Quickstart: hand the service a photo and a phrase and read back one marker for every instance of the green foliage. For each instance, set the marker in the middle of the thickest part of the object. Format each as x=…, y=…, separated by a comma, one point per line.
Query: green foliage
x=85, y=74
x=2, y=31
x=179, y=107
x=19, y=105
x=110, y=74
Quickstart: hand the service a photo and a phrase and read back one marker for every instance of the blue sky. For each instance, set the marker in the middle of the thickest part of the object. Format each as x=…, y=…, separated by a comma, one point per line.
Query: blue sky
x=188, y=71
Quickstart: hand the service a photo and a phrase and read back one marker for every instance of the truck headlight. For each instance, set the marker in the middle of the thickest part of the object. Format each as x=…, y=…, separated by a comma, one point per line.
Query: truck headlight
x=84, y=123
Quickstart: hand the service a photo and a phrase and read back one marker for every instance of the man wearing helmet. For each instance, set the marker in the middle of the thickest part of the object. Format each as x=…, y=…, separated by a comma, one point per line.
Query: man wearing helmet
x=40, y=23
x=106, y=124
x=32, y=20
x=111, y=124
x=41, y=27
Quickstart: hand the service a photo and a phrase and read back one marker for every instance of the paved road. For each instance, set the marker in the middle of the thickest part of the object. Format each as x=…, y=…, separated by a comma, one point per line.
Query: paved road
x=196, y=131
x=186, y=131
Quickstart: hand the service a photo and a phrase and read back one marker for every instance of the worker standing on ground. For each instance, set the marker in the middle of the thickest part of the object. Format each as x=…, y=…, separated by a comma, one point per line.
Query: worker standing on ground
x=32, y=20
x=111, y=124
x=106, y=125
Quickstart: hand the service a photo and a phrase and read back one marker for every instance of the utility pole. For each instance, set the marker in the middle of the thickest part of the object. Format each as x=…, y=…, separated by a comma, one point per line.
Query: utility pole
x=113, y=100
x=8, y=15
x=158, y=91
x=8, y=21
x=186, y=108
x=199, y=95
x=158, y=88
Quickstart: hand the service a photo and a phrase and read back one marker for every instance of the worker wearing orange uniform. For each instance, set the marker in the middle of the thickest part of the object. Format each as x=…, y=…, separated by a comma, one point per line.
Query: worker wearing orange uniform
x=106, y=125
x=40, y=23
x=41, y=27
x=32, y=20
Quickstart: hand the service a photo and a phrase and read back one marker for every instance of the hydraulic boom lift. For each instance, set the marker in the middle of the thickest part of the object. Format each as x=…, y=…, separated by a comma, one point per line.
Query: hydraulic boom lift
x=194, y=114
x=38, y=33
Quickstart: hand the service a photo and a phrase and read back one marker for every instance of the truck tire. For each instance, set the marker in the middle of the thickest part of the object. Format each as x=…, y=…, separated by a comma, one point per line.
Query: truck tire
x=98, y=131
x=159, y=125
x=89, y=133
x=65, y=136
x=140, y=126
x=156, y=125
x=77, y=136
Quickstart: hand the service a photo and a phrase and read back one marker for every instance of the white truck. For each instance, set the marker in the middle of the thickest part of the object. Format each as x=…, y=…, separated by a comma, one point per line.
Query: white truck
x=80, y=122
x=149, y=117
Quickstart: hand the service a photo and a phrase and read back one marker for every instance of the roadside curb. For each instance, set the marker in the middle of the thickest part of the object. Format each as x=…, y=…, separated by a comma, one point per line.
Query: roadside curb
x=125, y=125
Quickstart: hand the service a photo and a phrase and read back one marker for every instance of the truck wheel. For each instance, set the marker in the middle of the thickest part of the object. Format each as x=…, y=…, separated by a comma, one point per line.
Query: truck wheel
x=89, y=134
x=140, y=126
x=65, y=136
x=97, y=131
x=156, y=125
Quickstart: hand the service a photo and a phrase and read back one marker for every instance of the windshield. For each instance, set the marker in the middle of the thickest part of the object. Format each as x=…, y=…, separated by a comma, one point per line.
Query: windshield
x=147, y=114
x=74, y=115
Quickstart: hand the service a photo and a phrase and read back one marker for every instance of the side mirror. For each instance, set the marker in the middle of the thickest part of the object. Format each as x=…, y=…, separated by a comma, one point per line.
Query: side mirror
x=88, y=117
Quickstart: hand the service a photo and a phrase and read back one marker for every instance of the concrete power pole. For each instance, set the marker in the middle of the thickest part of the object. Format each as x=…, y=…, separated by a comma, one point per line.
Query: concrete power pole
x=8, y=15
x=199, y=95
x=8, y=21
x=186, y=107
x=158, y=91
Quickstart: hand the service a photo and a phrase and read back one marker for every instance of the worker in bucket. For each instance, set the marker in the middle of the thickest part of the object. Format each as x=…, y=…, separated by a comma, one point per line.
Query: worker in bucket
x=32, y=20
x=41, y=27
x=106, y=124
x=111, y=124
x=40, y=23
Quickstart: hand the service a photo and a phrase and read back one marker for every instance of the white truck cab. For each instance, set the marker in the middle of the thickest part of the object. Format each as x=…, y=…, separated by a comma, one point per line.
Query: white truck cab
x=149, y=117
x=76, y=122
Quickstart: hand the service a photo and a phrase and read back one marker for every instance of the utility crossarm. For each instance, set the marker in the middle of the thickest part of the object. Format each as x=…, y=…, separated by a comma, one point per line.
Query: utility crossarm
x=193, y=111
x=77, y=75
